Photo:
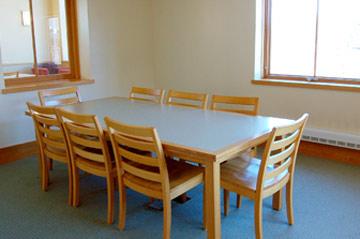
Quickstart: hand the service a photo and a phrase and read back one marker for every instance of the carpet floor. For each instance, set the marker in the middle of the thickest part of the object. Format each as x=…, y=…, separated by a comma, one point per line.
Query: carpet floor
x=326, y=205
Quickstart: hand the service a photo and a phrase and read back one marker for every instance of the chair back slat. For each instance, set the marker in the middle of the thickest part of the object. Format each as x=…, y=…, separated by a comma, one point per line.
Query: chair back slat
x=88, y=155
x=147, y=94
x=49, y=131
x=229, y=104
x=283, y=142
x=187, y=99
x=86, y=138
x=55, y=155
x=141, y=173
x=54, y=144
x=277, y=171
x=138, y=158
x=282, y=155
x=138, y=153
x=85, y=142
x=65, y=101
x=83, y=129
x=280, y=152
x=135, y=143
x=58, y=97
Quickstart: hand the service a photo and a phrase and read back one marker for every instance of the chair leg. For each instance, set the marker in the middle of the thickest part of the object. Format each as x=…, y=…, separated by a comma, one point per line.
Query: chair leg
x=238, y=200
x=44, y=174
x=204, y=209
x=110, y=196
x=258, y=218
x=51, y=164
x=167, y=218
x=76, y=187
x=289, y=203
x=122, y=206
x=71, y=185
x=226, y=202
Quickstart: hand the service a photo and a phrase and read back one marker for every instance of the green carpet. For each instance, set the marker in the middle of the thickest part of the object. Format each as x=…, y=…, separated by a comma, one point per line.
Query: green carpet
x=326, y=203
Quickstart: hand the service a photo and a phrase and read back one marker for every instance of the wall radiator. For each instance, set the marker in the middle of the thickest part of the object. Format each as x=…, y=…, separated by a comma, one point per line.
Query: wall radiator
x=332, y=138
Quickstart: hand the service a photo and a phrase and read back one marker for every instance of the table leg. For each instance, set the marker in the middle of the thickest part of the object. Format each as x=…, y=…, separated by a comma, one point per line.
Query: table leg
x=212, y=184
x=277, y=201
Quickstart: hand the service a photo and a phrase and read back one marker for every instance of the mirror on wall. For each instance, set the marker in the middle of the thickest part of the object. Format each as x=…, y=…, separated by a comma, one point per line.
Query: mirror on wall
x=34, y=40
x=17, y=56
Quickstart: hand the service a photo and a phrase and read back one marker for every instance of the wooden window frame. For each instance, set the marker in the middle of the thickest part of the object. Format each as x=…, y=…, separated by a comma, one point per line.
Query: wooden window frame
x=21, y=84
x=297, y=80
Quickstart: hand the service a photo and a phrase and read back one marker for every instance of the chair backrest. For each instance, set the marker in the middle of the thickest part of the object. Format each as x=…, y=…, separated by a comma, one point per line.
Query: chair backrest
x=147, y=94
x=49, y=132
x=249, y=105
x=85, y=137
x=57, y=97
x=280, y=153
x=138, y=152
x=187, y=99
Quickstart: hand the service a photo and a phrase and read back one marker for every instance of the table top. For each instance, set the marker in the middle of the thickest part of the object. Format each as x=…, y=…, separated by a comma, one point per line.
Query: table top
x=208, y=131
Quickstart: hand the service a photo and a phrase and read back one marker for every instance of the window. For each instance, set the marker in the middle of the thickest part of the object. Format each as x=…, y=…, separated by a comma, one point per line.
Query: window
x=38, y=41
x=312, y=40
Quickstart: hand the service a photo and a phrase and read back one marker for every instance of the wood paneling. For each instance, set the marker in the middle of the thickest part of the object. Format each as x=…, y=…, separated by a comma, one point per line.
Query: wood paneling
x=308, y=84
x=344, y=155
x=17, y=152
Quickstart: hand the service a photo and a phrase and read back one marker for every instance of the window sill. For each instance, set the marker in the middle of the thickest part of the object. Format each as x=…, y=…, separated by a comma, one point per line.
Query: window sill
x=309, y=85
x=44, y=85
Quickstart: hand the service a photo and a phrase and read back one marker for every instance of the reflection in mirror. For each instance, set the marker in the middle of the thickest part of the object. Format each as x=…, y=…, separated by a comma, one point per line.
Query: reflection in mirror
x=16, y=47
x=51, y=37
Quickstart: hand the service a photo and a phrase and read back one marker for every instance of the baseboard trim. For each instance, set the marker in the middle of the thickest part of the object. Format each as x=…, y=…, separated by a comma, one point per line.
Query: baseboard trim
x=17, y=152
x=344, y=155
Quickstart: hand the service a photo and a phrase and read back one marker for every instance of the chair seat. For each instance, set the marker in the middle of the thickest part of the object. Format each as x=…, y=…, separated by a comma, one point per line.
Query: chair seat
x=182, y=177
x=240, y=175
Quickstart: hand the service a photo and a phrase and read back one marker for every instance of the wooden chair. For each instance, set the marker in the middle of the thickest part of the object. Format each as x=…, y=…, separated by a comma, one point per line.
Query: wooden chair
x=192, y=100
x=52, y=143
x=232, y=104
x=141, y=166
x=259, y=179
x=89, y=152
x=58, y=96
x=218, y=103
x=146, y=94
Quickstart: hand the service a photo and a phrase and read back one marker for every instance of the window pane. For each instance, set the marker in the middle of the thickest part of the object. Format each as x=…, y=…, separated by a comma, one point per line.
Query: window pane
x=339, y=39
x=50, y=37
x=293, y=33
x=16, y=51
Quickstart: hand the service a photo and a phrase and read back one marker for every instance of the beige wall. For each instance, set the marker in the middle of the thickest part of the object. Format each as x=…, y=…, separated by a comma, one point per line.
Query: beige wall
x=15, y=39
x=198, y=45
x=115, y=51
x=209, y=45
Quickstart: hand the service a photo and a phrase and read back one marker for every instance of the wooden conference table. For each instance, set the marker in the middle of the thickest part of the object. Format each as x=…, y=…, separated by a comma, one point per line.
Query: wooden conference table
x=201, y=136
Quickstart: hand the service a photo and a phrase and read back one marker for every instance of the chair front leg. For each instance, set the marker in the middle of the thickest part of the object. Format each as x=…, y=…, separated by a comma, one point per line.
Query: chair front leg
x=204, y=209
x=76, y=187
x=226, y=201
x=71, y=184
x=51, y=164
x=122, y=206
x=44, y=173
x=167, y=217
x=258, y=218
x=289, y=202
x=238, y=200
x=110, y=196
